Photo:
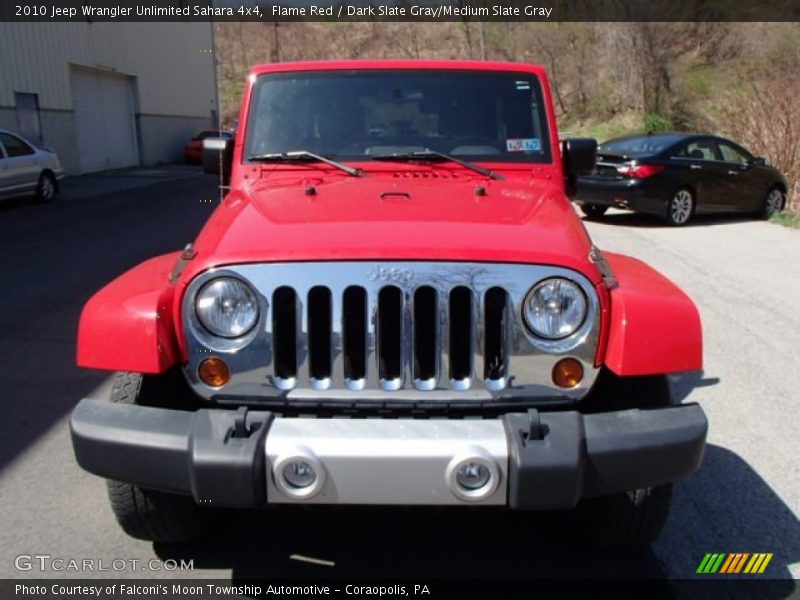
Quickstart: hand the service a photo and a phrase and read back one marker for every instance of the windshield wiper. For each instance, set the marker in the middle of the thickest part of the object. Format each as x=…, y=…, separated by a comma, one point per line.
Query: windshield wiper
x=434, y=155
x=303, y=155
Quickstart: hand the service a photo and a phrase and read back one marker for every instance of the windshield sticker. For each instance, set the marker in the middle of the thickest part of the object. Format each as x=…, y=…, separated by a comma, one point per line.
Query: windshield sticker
x=523, y=85
x=524, y=145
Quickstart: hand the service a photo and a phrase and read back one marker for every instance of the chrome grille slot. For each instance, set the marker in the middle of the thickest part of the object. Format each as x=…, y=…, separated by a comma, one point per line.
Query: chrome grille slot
x=461, y=337
x=284, y=340
x=495, y=356
x=426, y=348
x=354, y=333
x=390, y=338
x=319, y=317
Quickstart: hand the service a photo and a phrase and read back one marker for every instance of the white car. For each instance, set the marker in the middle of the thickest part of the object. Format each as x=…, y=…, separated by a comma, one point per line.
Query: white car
x=26, y=169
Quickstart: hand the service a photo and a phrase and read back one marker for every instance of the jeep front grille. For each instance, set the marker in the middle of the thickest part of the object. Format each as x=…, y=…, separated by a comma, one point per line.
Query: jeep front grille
x=400, y=339
x=400, y=330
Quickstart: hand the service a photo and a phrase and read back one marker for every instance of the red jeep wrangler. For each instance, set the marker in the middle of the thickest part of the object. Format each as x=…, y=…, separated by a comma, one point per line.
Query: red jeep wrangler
x=395, y=304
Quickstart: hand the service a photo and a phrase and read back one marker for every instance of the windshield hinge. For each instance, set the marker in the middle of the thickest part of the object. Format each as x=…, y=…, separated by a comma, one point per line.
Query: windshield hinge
x=188, y=254
x=597, y=257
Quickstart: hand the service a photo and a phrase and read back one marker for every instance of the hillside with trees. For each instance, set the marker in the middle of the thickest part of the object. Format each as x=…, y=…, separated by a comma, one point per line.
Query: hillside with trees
x=741, y=80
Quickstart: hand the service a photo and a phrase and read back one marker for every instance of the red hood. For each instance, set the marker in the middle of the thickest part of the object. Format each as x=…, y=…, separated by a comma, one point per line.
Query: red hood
x=520, y=219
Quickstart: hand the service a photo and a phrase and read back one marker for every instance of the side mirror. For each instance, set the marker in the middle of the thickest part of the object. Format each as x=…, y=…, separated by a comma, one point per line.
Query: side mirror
x=579, y=156
x=758, y=161
x=218, y=157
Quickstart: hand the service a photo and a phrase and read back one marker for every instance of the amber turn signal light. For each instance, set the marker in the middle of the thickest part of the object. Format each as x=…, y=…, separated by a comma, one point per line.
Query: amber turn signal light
x=214, y=371
x=567, y=373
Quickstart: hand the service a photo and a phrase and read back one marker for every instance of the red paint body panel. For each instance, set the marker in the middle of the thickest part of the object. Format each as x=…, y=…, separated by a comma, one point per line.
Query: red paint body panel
x=654, y=326
x=127, y=325
x=348, y=220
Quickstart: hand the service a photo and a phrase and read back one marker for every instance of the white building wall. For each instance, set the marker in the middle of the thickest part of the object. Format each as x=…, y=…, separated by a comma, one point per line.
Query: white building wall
x=170, y=63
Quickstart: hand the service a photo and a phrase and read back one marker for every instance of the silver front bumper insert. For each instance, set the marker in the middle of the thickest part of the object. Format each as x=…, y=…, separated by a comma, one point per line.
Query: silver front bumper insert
x=386, y=461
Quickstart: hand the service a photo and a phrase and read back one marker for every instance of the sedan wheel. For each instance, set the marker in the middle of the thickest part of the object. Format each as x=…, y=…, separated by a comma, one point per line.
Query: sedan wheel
x=773, y=203
x=680, y=207
x=46, y=189
x=593, y=211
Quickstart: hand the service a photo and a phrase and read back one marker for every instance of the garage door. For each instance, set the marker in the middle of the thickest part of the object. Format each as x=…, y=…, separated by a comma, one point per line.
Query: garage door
x=105, y=127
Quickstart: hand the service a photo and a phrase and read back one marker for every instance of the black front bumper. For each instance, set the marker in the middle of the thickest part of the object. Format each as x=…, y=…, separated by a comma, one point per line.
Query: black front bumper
x=554, y=458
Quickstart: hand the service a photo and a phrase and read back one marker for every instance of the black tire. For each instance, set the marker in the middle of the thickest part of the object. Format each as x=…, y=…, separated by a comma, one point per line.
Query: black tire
x=149, y=514
x=593, y=211
x=46, y=187
x=774, y=202
x=680, y=207
x=633, y=519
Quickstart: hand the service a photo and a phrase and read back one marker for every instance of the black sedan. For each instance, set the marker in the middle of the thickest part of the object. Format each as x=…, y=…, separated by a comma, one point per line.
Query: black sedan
x=677, y=175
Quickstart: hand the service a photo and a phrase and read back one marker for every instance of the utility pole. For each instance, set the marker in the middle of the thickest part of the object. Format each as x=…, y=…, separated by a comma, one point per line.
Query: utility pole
x=276, y=43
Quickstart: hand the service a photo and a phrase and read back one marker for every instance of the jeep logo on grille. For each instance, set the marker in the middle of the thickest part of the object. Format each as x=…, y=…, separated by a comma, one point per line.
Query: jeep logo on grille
x=390, y=274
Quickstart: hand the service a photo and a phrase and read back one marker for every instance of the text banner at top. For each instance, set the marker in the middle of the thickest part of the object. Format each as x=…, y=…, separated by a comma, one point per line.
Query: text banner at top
x=399, y=10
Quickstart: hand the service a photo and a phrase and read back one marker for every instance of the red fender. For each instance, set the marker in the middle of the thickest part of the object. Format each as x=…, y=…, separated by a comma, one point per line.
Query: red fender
x=127, y=325
x=654, y=327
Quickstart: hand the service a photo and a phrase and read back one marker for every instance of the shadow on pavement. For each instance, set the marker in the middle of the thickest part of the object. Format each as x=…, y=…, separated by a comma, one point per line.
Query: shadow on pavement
x=725, y=507
x=59, y=255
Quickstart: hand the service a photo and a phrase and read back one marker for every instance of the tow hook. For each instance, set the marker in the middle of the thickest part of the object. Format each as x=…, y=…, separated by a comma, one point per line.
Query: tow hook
x=240, y=428
x=536, y=429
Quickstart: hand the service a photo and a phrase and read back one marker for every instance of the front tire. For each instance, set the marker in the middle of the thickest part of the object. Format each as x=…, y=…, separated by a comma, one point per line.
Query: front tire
x=46, y=188
x=633, y=519
x=680, y=207
x=773, y=203
x=148, y=514
x=593, y=211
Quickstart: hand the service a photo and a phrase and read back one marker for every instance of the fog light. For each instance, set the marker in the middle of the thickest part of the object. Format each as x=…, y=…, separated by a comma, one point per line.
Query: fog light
x=214, y=371
x=567, y=373
x=299, y=474
x=472, y=476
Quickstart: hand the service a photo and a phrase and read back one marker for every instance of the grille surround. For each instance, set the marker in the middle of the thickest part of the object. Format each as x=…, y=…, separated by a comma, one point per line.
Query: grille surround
x=529, y=360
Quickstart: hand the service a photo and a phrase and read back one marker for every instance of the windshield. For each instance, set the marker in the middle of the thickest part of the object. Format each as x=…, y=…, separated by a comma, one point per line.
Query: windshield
x=361, y=114
x=641, y=144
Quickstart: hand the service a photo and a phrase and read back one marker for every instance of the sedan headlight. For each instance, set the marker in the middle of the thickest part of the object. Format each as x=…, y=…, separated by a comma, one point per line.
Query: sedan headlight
x=554, y=308
x=226, y=307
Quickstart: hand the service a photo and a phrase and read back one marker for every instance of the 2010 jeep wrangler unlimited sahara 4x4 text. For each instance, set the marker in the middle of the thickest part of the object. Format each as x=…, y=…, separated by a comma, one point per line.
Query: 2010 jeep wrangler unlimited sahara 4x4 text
x=395, y=304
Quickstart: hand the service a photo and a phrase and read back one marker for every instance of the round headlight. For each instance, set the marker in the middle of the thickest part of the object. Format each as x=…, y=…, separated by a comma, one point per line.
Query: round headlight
x=226, y=307
x=554, y=308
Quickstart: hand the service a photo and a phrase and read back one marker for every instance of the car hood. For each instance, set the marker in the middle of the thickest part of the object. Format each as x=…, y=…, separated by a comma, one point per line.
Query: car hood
x=404, y=216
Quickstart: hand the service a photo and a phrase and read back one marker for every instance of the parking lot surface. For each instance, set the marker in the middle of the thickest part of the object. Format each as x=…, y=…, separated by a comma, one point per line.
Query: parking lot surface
x=744, y=276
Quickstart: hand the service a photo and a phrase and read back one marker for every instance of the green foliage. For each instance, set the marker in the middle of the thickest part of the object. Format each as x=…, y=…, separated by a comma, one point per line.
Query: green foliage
x=787, y=219
x=654, y=123
x=606, y=129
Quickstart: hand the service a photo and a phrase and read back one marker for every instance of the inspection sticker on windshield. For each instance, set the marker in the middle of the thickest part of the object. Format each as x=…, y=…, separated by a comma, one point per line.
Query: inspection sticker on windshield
x=524, y=145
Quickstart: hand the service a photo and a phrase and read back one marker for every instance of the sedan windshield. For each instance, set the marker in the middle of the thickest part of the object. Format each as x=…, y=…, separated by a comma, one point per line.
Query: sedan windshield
x=366, y=114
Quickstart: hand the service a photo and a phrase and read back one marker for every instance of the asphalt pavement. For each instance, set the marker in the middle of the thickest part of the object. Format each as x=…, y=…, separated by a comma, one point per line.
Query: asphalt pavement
x=743, y=274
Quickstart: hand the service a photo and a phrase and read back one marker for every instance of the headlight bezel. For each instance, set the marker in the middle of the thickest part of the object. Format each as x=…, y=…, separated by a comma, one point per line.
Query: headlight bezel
x=210, y=328
x=196, y=330
x=568, y=342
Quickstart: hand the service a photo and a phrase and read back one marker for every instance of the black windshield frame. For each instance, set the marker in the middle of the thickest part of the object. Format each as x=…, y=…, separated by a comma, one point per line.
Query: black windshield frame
x=536, y=148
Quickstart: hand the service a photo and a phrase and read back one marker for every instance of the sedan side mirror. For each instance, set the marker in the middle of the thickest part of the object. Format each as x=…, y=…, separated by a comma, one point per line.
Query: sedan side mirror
x=758, y=161
x=218, y=157
x=579, y=156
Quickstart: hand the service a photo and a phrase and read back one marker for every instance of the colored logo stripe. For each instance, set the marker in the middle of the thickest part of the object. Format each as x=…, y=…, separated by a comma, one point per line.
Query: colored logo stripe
x=721, y=562
x=734, y=563
x=758, y=563
x=711, y=562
